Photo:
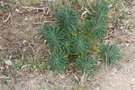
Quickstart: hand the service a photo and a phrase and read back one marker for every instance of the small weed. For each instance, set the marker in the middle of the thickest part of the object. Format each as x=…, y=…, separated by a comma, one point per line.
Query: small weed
x=126, y=58
x=109, y=53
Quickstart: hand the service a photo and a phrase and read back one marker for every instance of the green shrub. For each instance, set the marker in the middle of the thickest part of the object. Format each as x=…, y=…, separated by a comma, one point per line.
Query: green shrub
x=73, y=41
x=86, y=64
x=109, y=53
x=67, y=19
x=80, y=44
x=57, y=62
x=96, y=20
x=54, y=37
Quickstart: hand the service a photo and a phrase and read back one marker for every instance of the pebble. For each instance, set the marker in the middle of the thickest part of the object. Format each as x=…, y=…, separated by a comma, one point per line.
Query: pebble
x=97, y=88
x=114, y=71
x=8, y=62
x=127, y=44
x=132, y=80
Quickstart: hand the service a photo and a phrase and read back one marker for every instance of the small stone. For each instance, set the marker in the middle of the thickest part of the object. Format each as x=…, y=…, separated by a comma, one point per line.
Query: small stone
x=26, y=19
x=132, y=80
x=114, y=71
x=17, y=10
x=24, y=41
x=97, y=88
x=1, y=68
x=127, y=44
x=8, y=62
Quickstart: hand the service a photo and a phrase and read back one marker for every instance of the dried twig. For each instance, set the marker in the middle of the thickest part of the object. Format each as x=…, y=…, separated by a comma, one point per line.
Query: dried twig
x=33, y=8
x=7, y=18
x=2, y=77
x=38, y=23
x=84, y=13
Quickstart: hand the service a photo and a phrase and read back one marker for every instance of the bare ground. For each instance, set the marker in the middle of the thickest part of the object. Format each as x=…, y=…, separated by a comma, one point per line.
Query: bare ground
x=16, y=35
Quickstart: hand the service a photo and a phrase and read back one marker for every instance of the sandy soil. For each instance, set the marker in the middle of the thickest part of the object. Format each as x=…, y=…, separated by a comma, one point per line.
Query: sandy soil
x=122, y=77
